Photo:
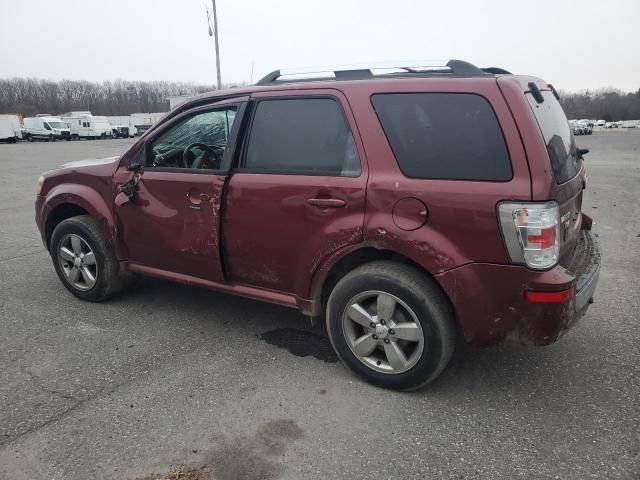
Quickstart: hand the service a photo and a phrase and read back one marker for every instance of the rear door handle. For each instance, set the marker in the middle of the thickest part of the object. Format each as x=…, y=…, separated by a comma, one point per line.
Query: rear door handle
x=326, y=202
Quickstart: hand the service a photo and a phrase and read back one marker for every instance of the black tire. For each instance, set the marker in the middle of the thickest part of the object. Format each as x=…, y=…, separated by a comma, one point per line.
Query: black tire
x=422, y=295
x=107, y=281
x=29, y=138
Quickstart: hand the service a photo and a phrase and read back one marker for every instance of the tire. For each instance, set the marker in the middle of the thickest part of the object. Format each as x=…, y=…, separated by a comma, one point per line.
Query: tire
x=418, y=303
x=50, y=138
x=83, y=232
x=29, y=138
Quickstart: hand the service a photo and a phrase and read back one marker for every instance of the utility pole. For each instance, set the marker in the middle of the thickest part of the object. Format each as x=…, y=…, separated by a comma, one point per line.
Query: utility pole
x=215, y=37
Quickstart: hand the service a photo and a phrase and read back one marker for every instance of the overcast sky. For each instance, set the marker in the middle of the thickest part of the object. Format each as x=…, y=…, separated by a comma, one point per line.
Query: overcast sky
x=572, y=44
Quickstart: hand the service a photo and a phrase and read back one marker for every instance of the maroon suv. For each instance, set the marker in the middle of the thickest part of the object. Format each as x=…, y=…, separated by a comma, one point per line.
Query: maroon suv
x=411, y=206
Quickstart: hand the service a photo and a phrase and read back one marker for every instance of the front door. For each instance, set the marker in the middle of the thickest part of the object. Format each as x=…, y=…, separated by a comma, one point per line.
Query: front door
x=172, y=222
x=298, y=192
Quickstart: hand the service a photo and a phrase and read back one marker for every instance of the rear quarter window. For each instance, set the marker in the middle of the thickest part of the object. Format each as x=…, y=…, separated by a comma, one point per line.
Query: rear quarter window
x=444, y=136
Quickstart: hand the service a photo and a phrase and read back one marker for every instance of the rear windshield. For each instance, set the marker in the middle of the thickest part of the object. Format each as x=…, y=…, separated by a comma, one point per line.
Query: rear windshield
x=557, y=135
x=444, y=136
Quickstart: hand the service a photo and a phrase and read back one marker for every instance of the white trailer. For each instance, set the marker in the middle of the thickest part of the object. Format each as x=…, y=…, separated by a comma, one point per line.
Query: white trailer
x=45, y=127
x=10, y=128
x=630, y=123
x=86, y=125
x=144, y=121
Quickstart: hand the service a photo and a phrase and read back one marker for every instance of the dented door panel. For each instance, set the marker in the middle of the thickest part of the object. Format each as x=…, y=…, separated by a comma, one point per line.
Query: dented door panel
x=172, y=223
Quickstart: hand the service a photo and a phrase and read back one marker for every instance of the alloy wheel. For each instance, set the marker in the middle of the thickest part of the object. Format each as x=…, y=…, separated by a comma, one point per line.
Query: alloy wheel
x=78, y=262
x=383, y=332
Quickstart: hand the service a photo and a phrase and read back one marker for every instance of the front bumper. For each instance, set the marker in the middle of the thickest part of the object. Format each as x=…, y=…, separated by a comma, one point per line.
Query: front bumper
x=491, y=304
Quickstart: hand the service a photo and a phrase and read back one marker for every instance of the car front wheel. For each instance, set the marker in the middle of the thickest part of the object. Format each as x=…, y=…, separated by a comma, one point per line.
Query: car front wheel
x=391, y=325
x=83, y=259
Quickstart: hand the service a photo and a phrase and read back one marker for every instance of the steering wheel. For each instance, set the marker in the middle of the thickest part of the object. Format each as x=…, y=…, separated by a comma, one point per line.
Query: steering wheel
x=198, y=159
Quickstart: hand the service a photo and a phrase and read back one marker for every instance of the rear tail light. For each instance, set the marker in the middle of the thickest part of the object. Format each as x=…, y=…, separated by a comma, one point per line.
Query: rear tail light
x=531, y=232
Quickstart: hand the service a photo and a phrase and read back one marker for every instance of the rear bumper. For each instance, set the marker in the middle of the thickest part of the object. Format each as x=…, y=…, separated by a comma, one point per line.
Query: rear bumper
x=491, y=303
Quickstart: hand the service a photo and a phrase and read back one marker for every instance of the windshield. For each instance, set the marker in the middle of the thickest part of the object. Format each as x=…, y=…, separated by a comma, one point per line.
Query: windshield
x=558, y=136
x=57, y=125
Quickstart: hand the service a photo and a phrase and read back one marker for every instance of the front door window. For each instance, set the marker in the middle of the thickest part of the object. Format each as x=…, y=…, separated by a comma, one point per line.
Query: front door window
x=196, y=143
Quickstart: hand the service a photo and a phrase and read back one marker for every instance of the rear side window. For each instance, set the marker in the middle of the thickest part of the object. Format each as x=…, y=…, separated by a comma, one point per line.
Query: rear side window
x=444, y=136
x=558, y=136
x=303, y=136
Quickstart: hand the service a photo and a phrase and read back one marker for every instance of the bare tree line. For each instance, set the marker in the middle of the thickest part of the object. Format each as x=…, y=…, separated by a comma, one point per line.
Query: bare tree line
x=29, y=96
x=604, y=104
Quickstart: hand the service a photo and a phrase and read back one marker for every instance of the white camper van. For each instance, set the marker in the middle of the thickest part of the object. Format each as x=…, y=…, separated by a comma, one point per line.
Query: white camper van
x=10, y=128
x=45, y=127
x=85, y=125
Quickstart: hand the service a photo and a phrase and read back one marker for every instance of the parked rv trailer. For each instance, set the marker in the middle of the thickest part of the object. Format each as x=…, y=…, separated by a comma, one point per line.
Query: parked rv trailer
x=10, y=128
x=47, y=128
x=86, y=125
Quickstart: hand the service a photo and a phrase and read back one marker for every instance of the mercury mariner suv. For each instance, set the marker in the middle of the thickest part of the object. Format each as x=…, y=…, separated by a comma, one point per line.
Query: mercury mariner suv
x=410, y=206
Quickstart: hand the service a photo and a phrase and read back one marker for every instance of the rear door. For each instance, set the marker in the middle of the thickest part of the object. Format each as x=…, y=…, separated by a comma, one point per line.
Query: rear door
x=298, y=192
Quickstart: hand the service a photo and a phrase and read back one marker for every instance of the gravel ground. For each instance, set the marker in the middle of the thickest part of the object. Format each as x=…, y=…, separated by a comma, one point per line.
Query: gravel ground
x=165, y=374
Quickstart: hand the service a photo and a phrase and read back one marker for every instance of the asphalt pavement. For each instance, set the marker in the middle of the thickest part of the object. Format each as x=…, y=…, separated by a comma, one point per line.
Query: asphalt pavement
x=166, y=374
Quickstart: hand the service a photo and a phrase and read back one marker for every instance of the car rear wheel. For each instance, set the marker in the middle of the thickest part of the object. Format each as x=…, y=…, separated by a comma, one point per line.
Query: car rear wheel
x=391, y=325
x=83, y=259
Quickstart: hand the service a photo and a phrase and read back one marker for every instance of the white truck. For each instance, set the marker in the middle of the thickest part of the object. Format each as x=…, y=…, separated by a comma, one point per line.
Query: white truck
x=121, y=126
x=10, y=128
x=144, y=121
x=45, y=127
x=85, y=125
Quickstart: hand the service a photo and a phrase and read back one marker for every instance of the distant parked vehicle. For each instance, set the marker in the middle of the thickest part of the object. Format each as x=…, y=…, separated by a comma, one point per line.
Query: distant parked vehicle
x=581, y=127
x=47, y=128
x=585, y=126
x=10, y=128
x=630, y=123
x=144, y=121
x=601, y=123
x=86, y=125
x=119, y=131
x=120, y=121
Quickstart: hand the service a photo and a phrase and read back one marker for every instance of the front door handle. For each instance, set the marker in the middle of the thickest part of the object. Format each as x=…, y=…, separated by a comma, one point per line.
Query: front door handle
x=326, y=202
x=195, y=198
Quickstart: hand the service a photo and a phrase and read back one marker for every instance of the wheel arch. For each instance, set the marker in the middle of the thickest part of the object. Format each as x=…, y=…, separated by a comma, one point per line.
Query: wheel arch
x=66, y=201
x=329, y=274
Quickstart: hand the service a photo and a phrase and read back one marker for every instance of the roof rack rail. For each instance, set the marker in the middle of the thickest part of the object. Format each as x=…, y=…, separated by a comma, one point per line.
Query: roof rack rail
x=496, y=71
x=455, y=67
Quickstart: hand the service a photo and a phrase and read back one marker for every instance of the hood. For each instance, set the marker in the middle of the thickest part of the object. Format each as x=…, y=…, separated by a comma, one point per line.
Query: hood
x=92, y=163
